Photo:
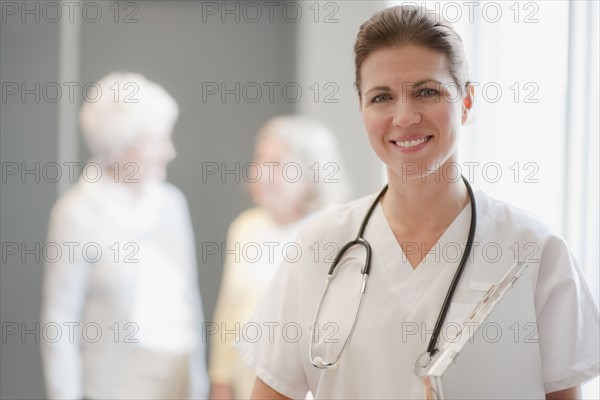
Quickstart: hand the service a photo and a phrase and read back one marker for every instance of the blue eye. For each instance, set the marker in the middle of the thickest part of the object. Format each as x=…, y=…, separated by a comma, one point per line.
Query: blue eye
x=380, y=98
x=428, y=93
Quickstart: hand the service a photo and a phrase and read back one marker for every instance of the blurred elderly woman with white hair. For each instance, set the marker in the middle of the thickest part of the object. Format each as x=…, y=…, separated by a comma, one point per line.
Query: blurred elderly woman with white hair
x=129, y=300
x=299, y=173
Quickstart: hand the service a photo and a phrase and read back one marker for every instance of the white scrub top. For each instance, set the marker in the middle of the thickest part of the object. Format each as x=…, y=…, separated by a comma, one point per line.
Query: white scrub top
x=138, y=293
x=401, y=304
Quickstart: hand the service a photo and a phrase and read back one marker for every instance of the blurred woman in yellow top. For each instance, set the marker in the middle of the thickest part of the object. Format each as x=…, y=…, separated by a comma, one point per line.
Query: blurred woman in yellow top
x=299, y=174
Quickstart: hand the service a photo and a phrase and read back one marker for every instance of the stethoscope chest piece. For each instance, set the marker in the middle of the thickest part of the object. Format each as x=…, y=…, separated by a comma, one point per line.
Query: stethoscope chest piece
x=424, y=360
x=422, y=364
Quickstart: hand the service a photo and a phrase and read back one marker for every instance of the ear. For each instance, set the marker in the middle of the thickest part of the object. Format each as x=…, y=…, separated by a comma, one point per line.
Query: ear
x=468, y=101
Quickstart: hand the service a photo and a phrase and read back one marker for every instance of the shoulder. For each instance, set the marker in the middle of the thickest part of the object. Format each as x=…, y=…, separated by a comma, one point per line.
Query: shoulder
x=340, y=223
x=171, y=192
x=521, y=235
x=506, y=219
x=168, y=200
x=71, y=206
x=250, y=216
x=246, y=223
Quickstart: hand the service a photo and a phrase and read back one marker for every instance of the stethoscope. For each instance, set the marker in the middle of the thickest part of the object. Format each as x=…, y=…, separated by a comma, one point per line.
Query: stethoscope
x=425, y=358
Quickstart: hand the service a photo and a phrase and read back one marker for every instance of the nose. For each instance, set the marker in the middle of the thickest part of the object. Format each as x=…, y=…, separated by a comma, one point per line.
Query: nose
x=406, y=115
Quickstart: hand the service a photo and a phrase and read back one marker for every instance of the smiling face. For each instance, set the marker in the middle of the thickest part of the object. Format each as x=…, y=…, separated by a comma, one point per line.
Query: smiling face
x=412, y=109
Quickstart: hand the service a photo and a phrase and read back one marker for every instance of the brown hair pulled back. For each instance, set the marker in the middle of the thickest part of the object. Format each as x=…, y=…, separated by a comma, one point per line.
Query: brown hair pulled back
x=400, y=26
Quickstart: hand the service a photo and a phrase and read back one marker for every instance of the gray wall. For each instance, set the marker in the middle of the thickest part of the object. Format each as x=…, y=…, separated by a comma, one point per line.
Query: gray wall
x=181, y=47
x=28, y=135
x=170, y=44
x=325, y=44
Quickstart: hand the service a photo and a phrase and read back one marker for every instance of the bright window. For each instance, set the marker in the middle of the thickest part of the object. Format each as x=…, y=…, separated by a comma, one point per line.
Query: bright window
x=533, y=141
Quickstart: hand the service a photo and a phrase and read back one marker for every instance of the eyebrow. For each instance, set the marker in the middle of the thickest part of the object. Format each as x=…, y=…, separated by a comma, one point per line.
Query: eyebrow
x=414, y=85
x=422, y=82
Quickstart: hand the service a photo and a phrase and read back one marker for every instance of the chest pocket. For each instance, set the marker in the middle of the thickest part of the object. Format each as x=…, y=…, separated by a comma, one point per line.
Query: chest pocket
x=453, y=326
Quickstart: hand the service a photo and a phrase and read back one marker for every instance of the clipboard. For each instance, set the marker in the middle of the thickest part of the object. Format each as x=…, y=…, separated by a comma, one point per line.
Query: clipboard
x=496, y=355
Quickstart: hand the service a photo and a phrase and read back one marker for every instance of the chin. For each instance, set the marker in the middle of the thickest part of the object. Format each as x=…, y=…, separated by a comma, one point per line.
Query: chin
x=156, y=177
x=160, y=174
x=409, y=170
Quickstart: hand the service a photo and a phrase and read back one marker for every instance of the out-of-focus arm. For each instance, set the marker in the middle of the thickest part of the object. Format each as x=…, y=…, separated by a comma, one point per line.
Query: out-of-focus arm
x=64, y=295
x=573, y=393
x=198, y=386
x=222, y=355
x=263, y=391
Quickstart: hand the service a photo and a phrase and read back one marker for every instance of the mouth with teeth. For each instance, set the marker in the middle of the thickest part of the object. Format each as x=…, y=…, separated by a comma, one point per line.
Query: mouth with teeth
x=412, y=143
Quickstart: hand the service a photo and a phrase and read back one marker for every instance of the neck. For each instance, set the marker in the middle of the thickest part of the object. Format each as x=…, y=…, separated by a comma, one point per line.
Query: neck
x=423, y=205
x=118, y=177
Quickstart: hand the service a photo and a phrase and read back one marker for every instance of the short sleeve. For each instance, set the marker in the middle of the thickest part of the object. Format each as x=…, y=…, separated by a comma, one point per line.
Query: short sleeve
x=268, y=342
x=198, y=383
x=568, y=319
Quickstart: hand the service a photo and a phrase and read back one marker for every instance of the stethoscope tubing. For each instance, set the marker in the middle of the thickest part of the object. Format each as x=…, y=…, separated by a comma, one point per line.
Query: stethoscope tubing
x=461, y=266
x=426, y=357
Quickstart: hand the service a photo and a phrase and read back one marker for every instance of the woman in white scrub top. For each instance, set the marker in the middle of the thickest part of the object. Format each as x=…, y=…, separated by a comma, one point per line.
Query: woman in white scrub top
x=414, y=93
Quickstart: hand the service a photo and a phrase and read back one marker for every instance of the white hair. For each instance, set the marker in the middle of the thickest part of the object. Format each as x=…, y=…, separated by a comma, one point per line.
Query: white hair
x=128, y=106
x=315, y=149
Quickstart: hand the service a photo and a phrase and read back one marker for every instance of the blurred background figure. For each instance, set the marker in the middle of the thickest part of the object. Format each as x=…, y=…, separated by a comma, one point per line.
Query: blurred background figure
x=131, y=296
x=298, y=175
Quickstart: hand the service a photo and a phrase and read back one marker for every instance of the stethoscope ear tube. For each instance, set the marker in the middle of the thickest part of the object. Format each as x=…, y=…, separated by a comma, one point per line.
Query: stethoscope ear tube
x=318, y=361
x=431, y=349
x=425, y=358
x=356, y=242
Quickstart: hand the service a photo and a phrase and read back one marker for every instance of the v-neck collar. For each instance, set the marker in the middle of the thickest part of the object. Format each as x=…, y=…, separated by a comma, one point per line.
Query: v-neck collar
x=440, y=262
